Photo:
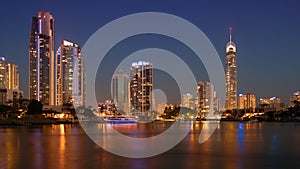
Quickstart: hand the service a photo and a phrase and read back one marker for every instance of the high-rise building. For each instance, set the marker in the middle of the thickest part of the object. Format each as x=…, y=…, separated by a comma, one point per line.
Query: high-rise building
x=41, y=59
x=231, y=75
x=247, y=101
x=141, y=88
x=120, y=90
x=9, y=83
x=188, y=101
x=9, y=75
x=70, y=75
x=295, y=97
x=207, y=98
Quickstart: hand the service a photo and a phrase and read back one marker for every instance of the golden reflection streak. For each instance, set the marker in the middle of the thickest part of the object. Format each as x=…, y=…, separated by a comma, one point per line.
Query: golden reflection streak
x=62, y=145
x=12, y=149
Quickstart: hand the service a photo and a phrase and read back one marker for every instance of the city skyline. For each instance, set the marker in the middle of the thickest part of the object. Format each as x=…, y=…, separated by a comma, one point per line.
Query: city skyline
x=258, y=40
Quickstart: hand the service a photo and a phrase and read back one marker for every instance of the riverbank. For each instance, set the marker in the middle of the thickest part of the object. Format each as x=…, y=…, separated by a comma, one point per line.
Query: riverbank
x=35, y=121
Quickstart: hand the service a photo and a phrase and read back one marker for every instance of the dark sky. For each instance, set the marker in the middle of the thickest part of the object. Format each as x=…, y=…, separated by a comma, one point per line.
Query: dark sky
x=267, y=33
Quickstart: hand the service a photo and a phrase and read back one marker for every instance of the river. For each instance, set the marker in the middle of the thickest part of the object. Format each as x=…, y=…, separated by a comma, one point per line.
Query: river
x=239, y=145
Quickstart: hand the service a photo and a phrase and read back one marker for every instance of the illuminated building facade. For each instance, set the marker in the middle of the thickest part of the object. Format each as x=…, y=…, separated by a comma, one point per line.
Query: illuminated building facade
x=247, y=101
x=295, y=97
x=108, y=108
x=120, y=90
x=271, y=104
x=41, y=59
x=9, y=83
x=231, y=75
x=207, y=99
x=9, y=75
x=272, y=100
x=188, y=101
x=70, y=75
x=141, y=88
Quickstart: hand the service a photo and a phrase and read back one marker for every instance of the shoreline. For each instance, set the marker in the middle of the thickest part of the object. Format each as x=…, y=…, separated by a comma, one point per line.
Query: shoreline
x=38, y=121
x=34, y=121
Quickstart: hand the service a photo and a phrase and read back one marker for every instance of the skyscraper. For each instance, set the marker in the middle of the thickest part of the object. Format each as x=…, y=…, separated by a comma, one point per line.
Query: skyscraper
x=141, y=88
x=70, y=75
x=188, y=101
x=231, y=75
x=207, y=99
x=41, y=59
x=120, y=90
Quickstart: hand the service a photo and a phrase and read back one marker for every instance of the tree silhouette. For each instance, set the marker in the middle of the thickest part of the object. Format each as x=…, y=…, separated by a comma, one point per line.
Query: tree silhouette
x=35, y=107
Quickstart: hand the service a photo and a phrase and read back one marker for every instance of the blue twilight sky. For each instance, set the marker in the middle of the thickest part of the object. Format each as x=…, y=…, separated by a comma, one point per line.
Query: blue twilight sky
x=267, y=33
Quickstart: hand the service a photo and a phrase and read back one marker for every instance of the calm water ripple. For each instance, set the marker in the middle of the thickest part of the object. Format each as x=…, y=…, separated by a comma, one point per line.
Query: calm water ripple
x=233, y=145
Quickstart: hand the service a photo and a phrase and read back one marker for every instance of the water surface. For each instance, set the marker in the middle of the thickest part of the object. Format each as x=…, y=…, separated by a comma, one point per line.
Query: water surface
x=232, y=145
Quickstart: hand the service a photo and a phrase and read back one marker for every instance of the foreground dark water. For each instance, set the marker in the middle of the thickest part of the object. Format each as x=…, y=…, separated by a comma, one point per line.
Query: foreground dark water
x=233, y=145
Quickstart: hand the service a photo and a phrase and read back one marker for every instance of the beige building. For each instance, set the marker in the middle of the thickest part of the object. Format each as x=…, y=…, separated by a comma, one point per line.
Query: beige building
x=9, y=75
x=9, y=82
x=188, y=101
x=247, y=101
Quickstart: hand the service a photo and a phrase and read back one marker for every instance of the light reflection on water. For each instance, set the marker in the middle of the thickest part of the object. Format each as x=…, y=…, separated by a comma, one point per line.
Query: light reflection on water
x=233, y=145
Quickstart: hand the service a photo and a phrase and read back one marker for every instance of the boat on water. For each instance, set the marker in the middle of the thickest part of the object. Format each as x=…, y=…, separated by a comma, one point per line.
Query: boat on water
x=120, y=119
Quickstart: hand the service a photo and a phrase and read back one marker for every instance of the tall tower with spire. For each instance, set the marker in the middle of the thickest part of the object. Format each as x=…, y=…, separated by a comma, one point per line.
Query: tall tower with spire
x=231, y=75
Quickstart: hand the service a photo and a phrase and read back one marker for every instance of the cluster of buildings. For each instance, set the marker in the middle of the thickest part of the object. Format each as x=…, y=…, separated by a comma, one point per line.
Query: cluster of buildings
x=248, y=101
x=54, y=80
x=9, y=83
x=132, y=94
x=204, y=102
x=58, y=78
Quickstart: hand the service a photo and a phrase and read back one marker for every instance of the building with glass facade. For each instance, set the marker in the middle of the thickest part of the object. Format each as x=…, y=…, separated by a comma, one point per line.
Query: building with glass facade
x=141, y=76
x=120, y=90
x=41, y=59
x=207, y=99
x=70, y=75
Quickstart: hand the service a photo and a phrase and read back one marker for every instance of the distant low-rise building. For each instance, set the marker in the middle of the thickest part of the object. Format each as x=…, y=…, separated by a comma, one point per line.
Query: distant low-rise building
x=271, y=104
x=247, y=101
x=295, y=97
x=10, y=97
x=107, y=108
